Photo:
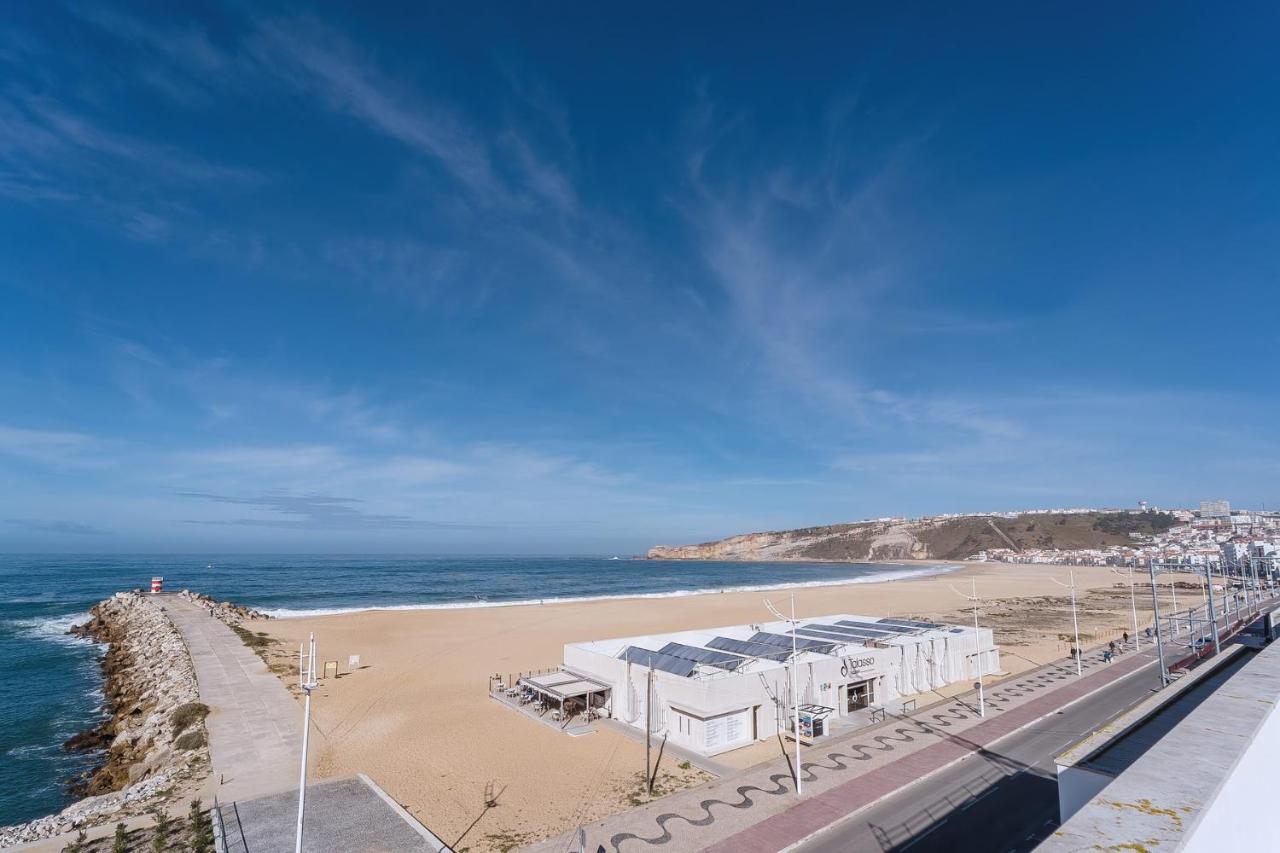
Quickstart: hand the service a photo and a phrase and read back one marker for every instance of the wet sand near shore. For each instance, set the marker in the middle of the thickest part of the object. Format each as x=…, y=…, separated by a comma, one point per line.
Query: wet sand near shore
x=417, y=718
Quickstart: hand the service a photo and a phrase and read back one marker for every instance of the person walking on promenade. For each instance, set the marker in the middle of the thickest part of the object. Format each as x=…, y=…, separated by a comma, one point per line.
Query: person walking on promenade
x=1126, y=638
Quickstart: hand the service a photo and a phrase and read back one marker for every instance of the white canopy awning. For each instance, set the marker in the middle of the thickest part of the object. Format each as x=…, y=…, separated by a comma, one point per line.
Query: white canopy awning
x=564, y=685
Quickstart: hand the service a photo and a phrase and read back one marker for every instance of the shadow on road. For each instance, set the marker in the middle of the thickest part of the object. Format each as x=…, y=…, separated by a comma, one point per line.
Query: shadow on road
x=1005, y=776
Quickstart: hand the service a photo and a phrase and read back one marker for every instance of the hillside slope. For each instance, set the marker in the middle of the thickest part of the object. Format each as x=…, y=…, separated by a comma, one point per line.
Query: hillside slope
x=926, y=538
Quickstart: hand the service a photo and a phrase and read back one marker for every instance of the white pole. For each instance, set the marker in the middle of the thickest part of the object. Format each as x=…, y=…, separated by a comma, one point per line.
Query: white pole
x=1155, y=611
x=795, y=689
x=1075, y=622
x=307, y=682
x=1247, y=579
x=1213, y=613
x=1133, y=603
x=977, y=652
x=1234, y=592
x=1174, y=589
x=648, y=727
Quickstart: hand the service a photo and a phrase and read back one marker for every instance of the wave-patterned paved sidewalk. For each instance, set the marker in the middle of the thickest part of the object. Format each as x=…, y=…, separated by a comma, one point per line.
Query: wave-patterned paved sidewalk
x=757, y=810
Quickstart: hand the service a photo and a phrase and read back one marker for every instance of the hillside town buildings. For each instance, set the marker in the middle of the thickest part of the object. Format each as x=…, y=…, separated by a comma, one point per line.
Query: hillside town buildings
x=1215, y=533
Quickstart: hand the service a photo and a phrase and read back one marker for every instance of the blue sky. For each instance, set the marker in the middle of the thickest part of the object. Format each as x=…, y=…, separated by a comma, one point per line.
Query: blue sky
x=559, y=279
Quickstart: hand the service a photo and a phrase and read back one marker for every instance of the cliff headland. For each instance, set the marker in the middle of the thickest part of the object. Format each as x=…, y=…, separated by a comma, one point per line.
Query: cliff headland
x=930, y=538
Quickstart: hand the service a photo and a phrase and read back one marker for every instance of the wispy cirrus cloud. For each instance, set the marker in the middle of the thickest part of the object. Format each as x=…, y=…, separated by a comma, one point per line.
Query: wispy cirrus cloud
x=185, y=45
x=812, y=260
x=315, y=512
x=321, y=61
x=53, y=152
x=56, y=448
x=40, y=130
x=56, y=527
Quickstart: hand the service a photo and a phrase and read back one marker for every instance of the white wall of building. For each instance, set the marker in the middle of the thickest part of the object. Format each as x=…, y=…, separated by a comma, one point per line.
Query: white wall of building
x=1241, y=810
x=714, y=711
x=1076, y=787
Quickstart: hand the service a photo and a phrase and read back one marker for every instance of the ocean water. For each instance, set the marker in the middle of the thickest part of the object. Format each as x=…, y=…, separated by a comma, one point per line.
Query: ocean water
x=50, y=685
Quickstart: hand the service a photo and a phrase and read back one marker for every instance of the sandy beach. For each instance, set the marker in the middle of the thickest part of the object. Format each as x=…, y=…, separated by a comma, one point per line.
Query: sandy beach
x=417, y=718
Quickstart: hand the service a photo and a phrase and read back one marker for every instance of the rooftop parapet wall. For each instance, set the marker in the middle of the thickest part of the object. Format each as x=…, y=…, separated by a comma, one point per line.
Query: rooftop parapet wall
x=1206, y=786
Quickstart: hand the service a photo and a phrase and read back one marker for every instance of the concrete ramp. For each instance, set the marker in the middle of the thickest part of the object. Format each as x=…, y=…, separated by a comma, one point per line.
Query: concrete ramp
x=351, y=815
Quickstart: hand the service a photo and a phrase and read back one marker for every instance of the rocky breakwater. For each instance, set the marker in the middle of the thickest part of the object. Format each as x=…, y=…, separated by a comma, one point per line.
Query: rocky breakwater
x=226, y=611
x=153, y=743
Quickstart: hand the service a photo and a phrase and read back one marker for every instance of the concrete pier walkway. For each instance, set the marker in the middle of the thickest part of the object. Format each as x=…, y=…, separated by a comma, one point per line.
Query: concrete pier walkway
x=254, y=724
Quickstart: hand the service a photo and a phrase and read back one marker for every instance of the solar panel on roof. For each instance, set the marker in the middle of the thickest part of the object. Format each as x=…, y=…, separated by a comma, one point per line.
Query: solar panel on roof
x=823, y=635
x=883, y=626
x=712, y=657
x=847, y=631
x=755, y=650
x=877, y=626
x=911, y=623
x=783, y=641
x=880, y=626
x=657, y=660
x=873, y=626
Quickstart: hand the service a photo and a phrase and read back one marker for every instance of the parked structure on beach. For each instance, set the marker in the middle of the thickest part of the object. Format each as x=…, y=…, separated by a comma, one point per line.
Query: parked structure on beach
x=718, y=689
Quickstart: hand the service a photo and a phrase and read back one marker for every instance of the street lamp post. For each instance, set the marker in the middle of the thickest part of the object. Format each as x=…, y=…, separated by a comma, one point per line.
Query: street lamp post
x=977, y=651
x=307, y=681
x=1133, y=605
x=1155, y=609
x=1213, y=613
x=1075, y=622
x=1235, y=593
x=795, y=694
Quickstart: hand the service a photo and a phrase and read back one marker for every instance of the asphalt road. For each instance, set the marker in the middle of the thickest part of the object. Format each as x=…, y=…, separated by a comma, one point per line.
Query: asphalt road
x=1004, y=799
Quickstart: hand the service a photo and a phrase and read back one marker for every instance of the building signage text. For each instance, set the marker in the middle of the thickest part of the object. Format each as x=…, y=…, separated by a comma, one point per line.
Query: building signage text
x=855, y=664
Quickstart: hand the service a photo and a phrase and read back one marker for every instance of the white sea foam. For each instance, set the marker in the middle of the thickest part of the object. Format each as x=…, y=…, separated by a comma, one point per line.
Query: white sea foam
x=876, y=576
x=55, y=628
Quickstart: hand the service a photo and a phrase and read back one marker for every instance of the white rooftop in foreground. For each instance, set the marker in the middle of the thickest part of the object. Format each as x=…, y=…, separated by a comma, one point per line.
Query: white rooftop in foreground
x=1206, y=786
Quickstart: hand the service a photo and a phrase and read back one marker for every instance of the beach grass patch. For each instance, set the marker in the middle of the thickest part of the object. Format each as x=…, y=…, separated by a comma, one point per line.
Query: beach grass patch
x=254, y=640
x=186, y=715
x=191, y=740
x=506, y=841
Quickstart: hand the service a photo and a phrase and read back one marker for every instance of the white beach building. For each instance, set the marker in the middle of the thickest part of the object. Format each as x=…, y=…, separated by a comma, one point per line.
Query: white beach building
x=718, y=689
